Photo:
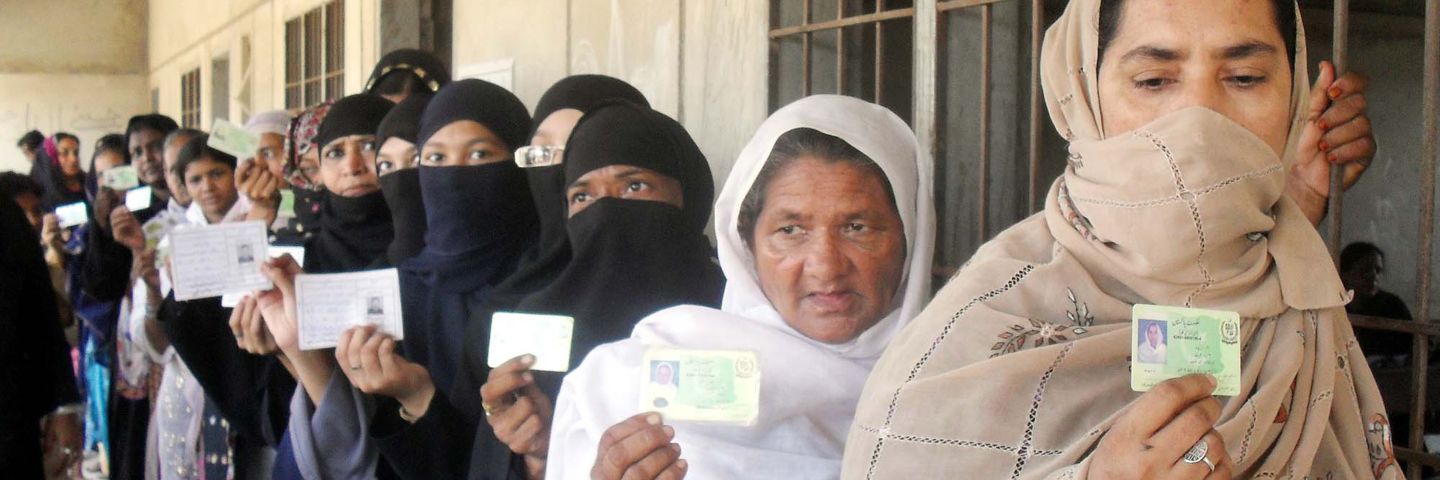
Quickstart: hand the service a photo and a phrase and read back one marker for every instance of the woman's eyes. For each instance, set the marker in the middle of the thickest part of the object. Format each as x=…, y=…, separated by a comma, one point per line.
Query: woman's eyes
x=635, y=187
x=788, y=229
x=367, y=146
x=580, y=197
x=855, y=227
x=384, y=166
x=434, y=158
x=334, y=154
x=479, y=155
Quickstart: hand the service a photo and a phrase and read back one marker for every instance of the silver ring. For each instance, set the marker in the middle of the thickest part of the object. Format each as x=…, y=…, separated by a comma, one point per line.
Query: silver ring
x=1208, y=463
x=1197, y=453
x=354, y=367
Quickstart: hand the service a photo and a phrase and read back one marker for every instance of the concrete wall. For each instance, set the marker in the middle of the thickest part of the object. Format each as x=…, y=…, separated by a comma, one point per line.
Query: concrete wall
x=60, y=71
x=188, y=34
x=700, y=61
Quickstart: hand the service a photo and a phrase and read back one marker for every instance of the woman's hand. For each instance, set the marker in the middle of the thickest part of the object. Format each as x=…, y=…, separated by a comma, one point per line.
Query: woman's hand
x=50, y=232
x=519, y=412
x=261, y=187
x=105, y=202
x=126, y=229
x=639, y=448
x=249, y=328
x=277, y=305
x=1151, y=438
x=1337, y=134
x=147, y=272
x=370, y=362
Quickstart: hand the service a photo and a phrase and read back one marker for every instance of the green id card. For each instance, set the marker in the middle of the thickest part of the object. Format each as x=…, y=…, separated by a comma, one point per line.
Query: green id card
x=120, y=178
x=233, y=139
x=1169, y=342
x=287, y=204
x=713, y=386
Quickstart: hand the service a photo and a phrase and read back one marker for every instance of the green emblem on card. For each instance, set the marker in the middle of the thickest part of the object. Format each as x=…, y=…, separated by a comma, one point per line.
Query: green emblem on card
x=1169, y=342
x=287, y=203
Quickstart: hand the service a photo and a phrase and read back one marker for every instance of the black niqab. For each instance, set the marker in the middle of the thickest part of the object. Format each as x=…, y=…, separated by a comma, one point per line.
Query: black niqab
x=354, y=232
x=402, y=188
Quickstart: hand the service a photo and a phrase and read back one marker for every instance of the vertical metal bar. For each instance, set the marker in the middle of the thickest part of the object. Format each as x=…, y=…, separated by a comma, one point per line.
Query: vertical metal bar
x=840, y=49
x=1037, y=37
x=805, y=50
x=925, y=77
x=880, y=51
x=1431, y=105
x=1337, y=175
x=983, y=228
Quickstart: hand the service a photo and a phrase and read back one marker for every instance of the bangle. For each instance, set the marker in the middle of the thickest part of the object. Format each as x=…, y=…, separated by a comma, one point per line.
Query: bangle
x=407, y=416
x=70, y=409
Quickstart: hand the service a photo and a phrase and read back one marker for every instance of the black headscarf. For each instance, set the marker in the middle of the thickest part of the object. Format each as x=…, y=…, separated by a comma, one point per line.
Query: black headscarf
x=630, y=258
x=424, y=65
x=354, y=232
x=548, y=257
x=479, y=219
x=402, y=188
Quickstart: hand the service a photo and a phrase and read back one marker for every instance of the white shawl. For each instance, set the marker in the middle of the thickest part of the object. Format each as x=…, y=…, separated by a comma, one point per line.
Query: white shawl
x=809, y=389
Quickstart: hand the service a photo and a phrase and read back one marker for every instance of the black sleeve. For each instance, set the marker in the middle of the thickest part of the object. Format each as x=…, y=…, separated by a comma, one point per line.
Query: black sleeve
x=435, y=446
x=252, y=392
x=105, y=267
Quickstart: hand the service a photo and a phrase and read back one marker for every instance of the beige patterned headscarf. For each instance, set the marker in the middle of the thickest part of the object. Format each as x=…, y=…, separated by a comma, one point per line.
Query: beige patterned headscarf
x=1020, y=365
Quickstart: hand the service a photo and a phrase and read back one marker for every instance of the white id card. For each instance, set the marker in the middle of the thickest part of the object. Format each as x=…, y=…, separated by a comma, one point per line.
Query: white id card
x=211, y=260
x=72, y=215
x=547, y=337
x=138, y=199
x=328, y=304
x=230, y=300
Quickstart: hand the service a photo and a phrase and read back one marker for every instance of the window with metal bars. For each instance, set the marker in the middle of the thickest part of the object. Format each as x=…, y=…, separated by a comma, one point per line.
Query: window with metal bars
x=860, y=48
x=190, y=99
x=315, y=56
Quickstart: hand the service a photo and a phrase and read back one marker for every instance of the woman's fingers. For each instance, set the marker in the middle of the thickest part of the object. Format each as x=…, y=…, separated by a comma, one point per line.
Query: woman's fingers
x=628, y=442
x=1197, y=468
x=1155, y=409
x=658, y=460
x=504, y=380
x=1185, y=429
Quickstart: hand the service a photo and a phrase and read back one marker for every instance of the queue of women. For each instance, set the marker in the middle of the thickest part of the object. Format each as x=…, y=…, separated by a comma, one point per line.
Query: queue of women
x=1200, y=188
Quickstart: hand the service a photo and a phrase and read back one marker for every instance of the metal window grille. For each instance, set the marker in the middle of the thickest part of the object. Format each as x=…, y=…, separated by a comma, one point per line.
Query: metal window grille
x=315, y=56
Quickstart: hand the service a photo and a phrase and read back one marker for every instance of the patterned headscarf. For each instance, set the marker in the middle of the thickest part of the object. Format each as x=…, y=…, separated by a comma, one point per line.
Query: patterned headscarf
x=301, y=140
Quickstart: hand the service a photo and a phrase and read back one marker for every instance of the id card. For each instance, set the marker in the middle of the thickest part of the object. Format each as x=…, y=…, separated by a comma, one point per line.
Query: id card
x=212, y=260
x=328, y=304
x=1169, y=342
x=138, y=199
x=547, y=337
x=230, y=300
x=232, y=139
x=120, y=178
x=287, y=204
x=72, y=215
x=713, y=386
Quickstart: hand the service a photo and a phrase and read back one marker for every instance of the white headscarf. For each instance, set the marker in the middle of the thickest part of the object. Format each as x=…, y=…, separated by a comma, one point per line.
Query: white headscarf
x=809, y=389
x=274, y=121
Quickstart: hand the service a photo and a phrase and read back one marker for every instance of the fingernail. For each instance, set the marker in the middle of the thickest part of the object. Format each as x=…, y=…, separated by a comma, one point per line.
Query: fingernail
x=527, y=359
x=528, y=377
x=1324, y=146
x=669, y=431
x=1212, y=380
x=1334, y=159
x=675, y=447
x=682, y=464
x=1334, y=93
x=1324, y=126
x=653, y=419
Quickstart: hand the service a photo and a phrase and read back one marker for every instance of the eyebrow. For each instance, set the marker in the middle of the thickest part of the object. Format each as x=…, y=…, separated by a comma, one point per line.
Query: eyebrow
x=476, y=141
x=1249, y=49
x=1150, y=52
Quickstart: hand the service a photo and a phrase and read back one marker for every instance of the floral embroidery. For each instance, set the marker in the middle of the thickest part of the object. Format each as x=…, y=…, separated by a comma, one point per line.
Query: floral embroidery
x=1079, y=313
x=1382, y=451
x=1038, y=333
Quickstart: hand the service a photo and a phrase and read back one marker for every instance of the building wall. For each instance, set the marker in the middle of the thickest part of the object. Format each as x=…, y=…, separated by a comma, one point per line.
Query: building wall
x=702, y=62
x=186, y=34
x=59, y=71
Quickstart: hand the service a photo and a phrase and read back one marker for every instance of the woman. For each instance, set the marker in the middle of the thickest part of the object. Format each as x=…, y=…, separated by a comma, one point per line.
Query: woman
x=67, y=180
x=825, y=229
x=399, y=179
x=640, y=193
x=559, y=109
x=1178, y=198
x=404, y=72
x=302, y=169
x=355, y=225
